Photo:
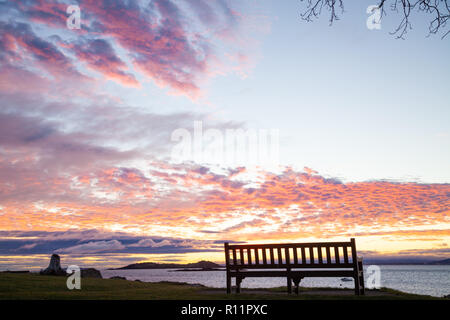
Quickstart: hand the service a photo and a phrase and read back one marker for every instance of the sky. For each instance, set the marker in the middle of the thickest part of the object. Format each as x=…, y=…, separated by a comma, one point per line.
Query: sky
x=92, y=118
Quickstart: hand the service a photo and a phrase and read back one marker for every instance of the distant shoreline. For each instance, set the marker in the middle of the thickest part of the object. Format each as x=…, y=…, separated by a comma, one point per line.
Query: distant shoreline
x=198, y=270
x=211, y=266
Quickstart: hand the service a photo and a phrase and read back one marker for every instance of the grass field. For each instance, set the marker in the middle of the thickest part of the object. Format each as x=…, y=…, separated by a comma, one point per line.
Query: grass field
x=34, y=286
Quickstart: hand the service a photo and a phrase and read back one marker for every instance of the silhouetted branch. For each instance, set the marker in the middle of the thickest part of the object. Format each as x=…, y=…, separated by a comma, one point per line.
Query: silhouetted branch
x=438, y=9
x=314, y=9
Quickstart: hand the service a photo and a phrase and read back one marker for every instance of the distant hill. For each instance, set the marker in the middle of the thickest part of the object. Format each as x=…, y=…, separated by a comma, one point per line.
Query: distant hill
x=211, y=265
x=405, y=261
x=440, y=262
x=153, y=265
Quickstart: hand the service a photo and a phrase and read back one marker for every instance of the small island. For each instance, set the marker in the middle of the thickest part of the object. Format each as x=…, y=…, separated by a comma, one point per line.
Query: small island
x=196, y=266
x=440, y=262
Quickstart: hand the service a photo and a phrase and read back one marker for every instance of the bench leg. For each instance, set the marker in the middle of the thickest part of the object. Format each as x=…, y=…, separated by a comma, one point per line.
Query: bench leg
x=361, y=276
x=238, y=284
x=361, y=280
x=357, y=285
x=289, y=285
x=296, y=283
x=228, y=282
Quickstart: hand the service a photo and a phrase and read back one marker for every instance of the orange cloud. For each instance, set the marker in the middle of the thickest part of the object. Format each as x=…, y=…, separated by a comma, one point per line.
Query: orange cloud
x=193, y=201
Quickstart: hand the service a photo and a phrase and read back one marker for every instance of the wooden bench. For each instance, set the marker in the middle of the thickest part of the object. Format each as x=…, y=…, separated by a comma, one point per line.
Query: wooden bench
x=294, y=261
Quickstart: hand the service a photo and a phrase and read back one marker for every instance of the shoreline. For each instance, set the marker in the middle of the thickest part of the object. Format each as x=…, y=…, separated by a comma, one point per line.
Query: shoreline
x=38, y=268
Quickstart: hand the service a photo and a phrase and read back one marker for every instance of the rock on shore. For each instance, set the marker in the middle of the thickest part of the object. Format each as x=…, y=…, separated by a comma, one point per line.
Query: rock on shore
x=91, y=273
x=54, y=268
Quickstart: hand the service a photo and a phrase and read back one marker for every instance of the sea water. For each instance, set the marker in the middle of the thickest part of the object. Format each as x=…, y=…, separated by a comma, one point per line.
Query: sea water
x=433, y=280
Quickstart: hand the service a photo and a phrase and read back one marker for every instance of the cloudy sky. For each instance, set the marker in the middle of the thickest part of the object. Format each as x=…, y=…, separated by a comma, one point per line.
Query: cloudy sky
x=87, y=118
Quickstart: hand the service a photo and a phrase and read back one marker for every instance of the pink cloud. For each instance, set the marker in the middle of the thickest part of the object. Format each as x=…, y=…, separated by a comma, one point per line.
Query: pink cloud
x=150, y=243
x=28, y=246
x=100, y=56
x=25, y=48
x=173, y=43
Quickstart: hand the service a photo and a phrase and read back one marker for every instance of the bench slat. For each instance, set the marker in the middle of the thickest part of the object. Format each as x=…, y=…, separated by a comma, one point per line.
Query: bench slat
x=280, y=257
x=295, y=256
x=311, y=255
x=345, y=254
x=328, y=255
x=234, y=257
x=293, y=266
x=319, y=250
x=272, y=256
x=303, y=255
x=290, y=245
x=256, y=256
x=336, y=255
x=264, y=256
x=306, y=273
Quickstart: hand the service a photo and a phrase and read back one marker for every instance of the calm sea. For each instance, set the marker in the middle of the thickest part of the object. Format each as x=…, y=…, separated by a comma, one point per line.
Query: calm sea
x=427, y=280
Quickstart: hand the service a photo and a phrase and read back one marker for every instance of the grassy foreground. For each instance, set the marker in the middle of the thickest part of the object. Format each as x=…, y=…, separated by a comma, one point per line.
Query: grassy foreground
x=33, y=286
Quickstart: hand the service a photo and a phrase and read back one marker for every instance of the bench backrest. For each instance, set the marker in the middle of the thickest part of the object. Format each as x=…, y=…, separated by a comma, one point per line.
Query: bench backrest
x=291, y=255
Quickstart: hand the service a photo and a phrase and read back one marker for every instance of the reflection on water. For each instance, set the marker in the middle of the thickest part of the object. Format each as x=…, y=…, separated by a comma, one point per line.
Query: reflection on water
x=428, y=280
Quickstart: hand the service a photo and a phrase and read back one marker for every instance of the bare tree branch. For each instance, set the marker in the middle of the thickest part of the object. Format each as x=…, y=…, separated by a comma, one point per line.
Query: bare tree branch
x=439, y=10
x=314, y=9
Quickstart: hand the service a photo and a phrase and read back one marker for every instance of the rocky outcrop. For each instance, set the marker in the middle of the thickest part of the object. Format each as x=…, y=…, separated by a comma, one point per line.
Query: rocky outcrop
x=90, y=273
x=54, y=268
x=118, y=278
